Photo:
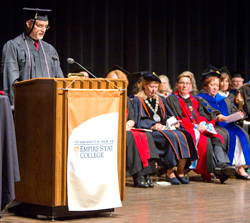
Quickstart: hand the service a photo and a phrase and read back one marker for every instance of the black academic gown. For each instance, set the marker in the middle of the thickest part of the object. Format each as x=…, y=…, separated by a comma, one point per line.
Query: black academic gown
x=15, y=65
x=214, y=157
x=8, y=154
x=172, y=145
x=133, y=161
x=245, y=92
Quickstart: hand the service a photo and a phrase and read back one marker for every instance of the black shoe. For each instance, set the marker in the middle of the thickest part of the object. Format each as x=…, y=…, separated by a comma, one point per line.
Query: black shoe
x=225, y=169
x=149, y=180
x=224, y=172
x=229, y=170
x=183, y=180
x=140, y=182
x=223, y=178
x=173, y=180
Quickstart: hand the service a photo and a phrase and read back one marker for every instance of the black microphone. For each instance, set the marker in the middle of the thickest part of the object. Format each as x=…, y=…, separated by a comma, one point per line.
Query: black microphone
x=71, y=61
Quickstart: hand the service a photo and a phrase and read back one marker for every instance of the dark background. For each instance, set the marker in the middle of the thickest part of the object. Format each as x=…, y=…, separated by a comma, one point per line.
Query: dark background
x=167, y=37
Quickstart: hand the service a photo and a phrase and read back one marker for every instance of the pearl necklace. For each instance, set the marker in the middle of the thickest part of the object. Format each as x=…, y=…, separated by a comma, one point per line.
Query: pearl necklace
x=156, y=117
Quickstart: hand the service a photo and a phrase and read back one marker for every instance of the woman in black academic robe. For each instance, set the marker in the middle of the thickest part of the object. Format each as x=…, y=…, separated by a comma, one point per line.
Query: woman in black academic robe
x=140, y=148
x=141, y=153
x=199, y=122
x=175, y=147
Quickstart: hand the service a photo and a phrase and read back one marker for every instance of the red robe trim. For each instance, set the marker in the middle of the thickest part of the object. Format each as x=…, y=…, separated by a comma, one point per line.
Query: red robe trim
x=188, y=123
x=141, y=142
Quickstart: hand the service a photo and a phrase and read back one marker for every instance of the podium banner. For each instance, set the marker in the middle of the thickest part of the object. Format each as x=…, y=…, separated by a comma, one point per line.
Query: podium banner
x=92, y=176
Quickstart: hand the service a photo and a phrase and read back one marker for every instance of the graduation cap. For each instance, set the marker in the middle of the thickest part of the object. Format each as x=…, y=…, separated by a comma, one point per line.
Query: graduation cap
x=137, y=76
x=238, y=73
x=117, y=67
x=36, y=13
x=224, y=70
x=210, y=71
x=151, y=77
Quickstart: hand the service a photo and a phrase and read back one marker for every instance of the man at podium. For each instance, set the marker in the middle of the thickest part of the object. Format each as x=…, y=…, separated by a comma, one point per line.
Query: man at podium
x=28, y=56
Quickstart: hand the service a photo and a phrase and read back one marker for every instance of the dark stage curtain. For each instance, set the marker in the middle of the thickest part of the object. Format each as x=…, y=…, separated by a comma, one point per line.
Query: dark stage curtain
x=167, y=37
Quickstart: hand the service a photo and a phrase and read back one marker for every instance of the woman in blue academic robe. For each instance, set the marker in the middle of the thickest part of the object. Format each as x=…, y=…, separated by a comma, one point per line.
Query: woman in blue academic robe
x=221, y=107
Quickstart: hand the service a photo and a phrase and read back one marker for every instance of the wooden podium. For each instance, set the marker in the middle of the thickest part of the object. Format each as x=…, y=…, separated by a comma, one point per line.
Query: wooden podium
x=41, y=134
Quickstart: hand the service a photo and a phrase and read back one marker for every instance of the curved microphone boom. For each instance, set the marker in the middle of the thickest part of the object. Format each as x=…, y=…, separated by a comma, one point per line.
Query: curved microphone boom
x=72, y=61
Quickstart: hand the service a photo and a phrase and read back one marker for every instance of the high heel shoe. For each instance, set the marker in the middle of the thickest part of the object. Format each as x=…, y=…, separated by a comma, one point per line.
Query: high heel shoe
x=140, y=182
x=149, y=180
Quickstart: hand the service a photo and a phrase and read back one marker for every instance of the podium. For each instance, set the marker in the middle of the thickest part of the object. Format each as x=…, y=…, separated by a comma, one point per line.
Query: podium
x=41, y=133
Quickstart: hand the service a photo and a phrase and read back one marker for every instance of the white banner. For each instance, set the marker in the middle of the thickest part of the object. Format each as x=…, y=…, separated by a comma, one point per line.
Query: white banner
x=92, y=179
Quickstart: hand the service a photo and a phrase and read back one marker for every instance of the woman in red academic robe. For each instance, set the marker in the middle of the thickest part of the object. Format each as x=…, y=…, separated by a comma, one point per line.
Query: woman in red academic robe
x=197, y=120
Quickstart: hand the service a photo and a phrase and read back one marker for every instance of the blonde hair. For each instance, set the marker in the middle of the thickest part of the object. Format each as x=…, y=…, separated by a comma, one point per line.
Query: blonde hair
x=120, y=74
x=194, y=86
x=184, y=74
x=141, y=92
x=169, y=89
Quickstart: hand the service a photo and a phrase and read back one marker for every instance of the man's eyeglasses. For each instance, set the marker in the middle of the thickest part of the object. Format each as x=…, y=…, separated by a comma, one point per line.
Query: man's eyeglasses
x=42, y=27
x=237, y=81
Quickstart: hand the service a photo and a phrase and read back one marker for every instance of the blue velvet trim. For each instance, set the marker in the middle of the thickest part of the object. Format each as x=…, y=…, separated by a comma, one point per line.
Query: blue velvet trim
x=219, y=103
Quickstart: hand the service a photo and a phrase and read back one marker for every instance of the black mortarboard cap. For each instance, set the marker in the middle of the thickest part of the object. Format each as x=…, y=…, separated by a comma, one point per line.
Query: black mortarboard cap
x=238, y=73
x=151, y=77
x=210, y=71
x=138, y=75
x=36, y=13
x=224, y=70
x=116, y=67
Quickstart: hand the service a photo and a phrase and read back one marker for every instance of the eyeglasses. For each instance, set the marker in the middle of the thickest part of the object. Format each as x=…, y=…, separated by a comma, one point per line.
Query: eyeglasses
x=237, y=81
x=184, y=83
x=42, y=27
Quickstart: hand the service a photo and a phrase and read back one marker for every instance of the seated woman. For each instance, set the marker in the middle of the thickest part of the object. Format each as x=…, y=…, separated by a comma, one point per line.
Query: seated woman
x=141, y=153
x=193, y=90
x=196, y=119
x=239, y=150
x=175, y=147
x=224, y=88
x=165, y=88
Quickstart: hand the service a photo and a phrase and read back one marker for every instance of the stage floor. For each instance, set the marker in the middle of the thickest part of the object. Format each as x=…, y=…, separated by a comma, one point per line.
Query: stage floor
x=197, y=202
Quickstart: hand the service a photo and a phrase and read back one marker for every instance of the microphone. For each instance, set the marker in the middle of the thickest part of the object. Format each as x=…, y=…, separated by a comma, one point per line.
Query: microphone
x=72, y=61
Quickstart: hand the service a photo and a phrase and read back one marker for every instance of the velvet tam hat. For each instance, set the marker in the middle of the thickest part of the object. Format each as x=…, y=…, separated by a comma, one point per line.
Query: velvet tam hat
x=151, y=77
x=238, y=73
x=210, y=71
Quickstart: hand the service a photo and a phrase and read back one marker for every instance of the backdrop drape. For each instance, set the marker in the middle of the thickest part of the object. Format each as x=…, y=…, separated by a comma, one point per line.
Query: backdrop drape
x=165, y=36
